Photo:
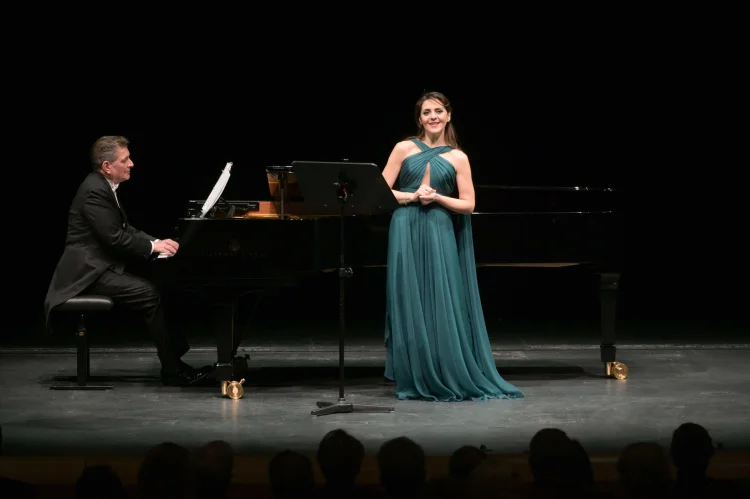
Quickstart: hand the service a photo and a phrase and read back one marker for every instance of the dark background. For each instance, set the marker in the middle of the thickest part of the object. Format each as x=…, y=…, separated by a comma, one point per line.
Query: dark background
x=640, y=120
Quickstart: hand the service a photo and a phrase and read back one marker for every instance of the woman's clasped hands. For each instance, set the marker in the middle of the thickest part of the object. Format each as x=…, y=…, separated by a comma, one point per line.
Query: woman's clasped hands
x=425, y=194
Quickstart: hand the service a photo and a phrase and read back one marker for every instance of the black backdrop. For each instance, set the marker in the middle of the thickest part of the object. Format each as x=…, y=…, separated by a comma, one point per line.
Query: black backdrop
x=556, y=125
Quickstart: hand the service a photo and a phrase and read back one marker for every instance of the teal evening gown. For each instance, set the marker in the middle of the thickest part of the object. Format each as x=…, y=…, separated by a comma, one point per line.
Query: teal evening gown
x=437, y=347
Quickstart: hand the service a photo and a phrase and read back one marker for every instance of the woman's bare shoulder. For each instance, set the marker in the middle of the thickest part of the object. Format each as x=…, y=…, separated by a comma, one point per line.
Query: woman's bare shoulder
x=459, y=158
x=406, y=146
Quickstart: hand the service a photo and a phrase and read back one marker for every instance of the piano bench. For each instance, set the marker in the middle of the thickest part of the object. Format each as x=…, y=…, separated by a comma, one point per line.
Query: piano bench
x=83, y=305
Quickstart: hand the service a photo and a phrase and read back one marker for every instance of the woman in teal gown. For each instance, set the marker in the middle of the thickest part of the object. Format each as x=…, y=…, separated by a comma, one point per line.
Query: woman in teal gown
x=437, y=347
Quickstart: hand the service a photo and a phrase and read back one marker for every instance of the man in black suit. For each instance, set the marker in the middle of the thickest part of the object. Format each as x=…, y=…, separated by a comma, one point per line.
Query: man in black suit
x=100, y=241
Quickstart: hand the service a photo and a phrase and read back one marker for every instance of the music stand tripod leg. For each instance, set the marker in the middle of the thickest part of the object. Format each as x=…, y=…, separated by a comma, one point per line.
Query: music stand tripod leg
x=343, y=407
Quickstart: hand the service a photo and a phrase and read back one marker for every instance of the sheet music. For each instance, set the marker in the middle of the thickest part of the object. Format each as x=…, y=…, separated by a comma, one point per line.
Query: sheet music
x=217, y=190
x=216, y=193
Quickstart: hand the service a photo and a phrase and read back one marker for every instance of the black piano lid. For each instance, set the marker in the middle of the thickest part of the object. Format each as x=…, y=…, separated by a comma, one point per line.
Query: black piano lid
x=531, y=199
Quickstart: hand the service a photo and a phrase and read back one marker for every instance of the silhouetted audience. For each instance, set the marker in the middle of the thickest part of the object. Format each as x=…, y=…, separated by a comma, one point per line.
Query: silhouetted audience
x=583, y=473
x=291, y=476
x=340, y=458
x=464, y=460
x=554, y=463
x=560, y=468
x=213, y=470
x=461, y=465
x=644, y=471
x=691, y=451
x=99, y=482
x=490, y=481
x=14, y=488
x=166, y=473
x=402, y=468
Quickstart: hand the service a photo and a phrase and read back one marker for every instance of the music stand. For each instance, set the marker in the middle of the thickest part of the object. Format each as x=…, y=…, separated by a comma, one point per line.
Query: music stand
x=347, y=189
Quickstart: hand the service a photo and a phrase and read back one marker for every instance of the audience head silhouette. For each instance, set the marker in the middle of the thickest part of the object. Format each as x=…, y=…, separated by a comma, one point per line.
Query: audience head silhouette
x=100, y=481
x=582, y=471
x=291, y=475
x=691, y=448
x=340, y=458
x=213, y=467
x=644, y=470
x=402, y=467
x=166, y=473
x=551, y=458
x=464, y=460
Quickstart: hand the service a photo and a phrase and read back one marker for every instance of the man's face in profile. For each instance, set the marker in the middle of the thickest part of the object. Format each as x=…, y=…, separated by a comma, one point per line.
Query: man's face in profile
x=119, y=170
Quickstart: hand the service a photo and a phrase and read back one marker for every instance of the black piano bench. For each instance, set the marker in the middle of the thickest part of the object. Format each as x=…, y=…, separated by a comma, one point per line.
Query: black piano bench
x=82, y=305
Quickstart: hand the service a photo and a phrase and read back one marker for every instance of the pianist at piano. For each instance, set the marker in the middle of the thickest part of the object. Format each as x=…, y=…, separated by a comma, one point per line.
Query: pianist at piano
x=437, y=346
x=99, y=243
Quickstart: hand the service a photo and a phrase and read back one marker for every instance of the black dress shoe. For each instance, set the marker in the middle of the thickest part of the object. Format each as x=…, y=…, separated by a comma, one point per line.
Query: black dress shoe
x=184, y=377
x=186, y=368
x=181, y=366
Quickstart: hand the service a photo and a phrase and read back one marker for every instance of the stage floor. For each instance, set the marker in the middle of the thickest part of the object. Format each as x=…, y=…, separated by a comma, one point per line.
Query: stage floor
x=699, y=376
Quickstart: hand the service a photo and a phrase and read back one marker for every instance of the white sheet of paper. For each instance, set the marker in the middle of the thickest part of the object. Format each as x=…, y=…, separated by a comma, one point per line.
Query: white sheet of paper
x=217, y=190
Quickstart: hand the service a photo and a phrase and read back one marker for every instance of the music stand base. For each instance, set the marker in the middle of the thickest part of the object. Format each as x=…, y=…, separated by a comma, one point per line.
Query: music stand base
x=342, y=406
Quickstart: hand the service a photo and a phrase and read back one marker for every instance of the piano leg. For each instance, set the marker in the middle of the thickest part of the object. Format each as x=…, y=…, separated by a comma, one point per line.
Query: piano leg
x=228, y=366
x=224, y=367
x=608, y=284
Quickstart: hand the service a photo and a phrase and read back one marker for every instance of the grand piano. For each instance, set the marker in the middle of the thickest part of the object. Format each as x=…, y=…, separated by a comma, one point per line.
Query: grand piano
x=246, y=247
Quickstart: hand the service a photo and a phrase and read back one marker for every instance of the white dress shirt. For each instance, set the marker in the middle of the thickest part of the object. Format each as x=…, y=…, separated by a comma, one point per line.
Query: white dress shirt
x=114, y=190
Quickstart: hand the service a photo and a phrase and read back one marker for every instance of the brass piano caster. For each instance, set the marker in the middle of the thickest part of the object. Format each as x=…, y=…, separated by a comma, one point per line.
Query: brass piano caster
x=617, y=370
x=232, y=389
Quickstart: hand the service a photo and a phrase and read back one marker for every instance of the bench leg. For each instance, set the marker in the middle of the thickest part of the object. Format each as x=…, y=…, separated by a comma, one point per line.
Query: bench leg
x=82, y=354
x=83, y=362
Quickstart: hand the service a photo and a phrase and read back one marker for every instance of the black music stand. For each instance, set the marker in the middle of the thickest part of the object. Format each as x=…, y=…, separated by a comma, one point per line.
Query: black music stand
x=347, y=189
